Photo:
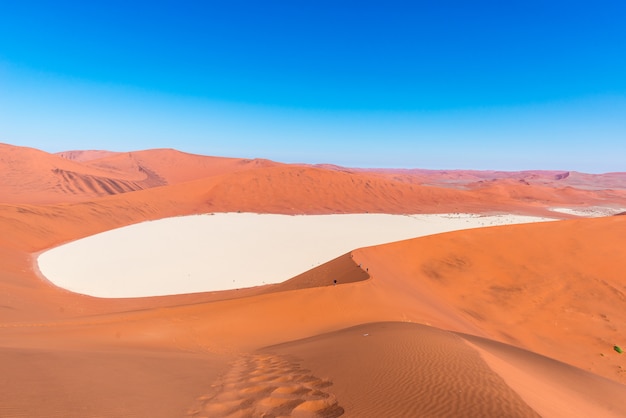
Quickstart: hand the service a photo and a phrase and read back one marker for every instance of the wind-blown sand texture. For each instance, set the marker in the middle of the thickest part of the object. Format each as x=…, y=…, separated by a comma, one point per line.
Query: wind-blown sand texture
x=502, y=321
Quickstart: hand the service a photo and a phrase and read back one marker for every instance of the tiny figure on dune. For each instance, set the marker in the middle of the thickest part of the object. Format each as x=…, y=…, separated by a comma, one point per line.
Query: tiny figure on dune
x=335, y=282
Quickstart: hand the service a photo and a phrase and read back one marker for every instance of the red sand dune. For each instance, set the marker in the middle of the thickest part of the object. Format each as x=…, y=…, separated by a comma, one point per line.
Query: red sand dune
x=460, y=178
x=174, y=166
x=86, y=155
x=33, y=176
x=304, y=348
x=557, y=289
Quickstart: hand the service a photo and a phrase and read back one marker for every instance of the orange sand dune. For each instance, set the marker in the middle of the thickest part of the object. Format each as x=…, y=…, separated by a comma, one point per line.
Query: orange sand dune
x=526, y=192
x=300, y=348
x=85, y=155
x=403, y=369
x=557, y=289
x=230, y=184
x=597, y=181
x=33, y=176
x=173, y=166
x=467, y=178
x=78, y=383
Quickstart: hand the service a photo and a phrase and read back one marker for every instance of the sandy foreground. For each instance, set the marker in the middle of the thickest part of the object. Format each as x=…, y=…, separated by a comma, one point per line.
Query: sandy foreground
x=231, y=250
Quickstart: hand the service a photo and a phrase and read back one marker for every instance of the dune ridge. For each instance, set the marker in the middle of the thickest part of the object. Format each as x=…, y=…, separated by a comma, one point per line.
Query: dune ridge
x=445, y=302
x=560, y=284
x=419, y=371
x=231, y=184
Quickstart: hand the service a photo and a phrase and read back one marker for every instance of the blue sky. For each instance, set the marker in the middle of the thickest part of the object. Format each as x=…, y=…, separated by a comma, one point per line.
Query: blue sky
x=445, y=84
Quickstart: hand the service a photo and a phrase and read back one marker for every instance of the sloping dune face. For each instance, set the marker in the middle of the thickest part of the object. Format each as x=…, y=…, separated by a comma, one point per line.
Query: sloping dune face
x=417, y=329
x=403, y=369
x=557, y=288
x=86, y=155
x=172, y=166
x=33, y=176
x=406, y=370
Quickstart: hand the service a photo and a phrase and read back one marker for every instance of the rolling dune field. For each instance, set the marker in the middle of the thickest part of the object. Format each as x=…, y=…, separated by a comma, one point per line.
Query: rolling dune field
x=499, y=320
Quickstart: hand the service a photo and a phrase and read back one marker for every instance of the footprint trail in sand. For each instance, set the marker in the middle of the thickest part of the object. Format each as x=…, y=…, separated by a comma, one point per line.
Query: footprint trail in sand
x=268, y=386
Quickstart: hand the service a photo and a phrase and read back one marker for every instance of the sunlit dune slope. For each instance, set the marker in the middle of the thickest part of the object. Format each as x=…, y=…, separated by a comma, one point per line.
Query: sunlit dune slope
x=466, y=179
x=50, y=383
x=174, y=167
x=293, y=189
x=557, y=289
x=85, y=155
x=403, y=369
x=299, y=189
x=33, y=176
x=522, y=191
x=472, y=178
x=549, y=386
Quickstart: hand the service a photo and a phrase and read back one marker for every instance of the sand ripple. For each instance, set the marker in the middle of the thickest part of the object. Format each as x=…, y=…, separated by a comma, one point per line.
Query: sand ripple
x=406, y=370
x=265, y=385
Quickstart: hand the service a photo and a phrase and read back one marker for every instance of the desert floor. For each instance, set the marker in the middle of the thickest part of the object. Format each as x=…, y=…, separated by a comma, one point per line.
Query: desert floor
x=499, y=320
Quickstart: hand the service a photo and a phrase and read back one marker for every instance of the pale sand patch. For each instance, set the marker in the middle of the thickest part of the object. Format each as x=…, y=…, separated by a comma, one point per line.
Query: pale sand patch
x=591, y=211
x=230, y=250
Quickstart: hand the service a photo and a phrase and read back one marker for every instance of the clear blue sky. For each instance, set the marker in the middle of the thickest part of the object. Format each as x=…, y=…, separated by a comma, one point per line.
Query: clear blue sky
x=432, y=84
